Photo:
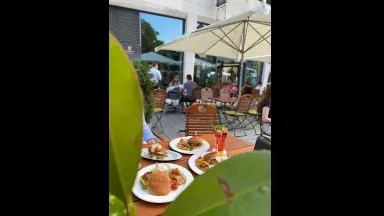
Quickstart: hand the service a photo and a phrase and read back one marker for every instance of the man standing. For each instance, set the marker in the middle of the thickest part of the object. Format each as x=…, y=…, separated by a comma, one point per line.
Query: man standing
x=156, y=78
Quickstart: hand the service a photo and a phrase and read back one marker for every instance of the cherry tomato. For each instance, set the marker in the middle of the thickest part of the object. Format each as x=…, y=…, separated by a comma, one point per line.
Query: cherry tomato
x=174, y=186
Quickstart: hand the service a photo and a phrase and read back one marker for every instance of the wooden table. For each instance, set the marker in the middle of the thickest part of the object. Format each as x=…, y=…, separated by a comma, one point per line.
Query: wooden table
x=225, y=100
x=233, y=145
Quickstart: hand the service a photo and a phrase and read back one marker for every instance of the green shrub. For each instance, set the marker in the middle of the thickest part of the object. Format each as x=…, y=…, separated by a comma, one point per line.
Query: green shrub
x=147, y=86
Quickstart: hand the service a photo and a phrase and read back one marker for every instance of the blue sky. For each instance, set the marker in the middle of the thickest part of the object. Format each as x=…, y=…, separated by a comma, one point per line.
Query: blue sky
x=169, y=29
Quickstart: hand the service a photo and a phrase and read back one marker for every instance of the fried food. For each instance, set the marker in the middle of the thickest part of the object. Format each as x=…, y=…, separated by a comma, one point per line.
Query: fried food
x=202, y=164
x=176, y=176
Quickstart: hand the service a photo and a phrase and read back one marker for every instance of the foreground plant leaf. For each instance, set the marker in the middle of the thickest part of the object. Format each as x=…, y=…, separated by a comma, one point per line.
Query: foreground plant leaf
x=238, y=186
x=125, y=122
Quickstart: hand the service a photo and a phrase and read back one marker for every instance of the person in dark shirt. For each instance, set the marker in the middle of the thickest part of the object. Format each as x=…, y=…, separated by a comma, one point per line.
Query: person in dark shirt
x=265, y=111
x=247, y=88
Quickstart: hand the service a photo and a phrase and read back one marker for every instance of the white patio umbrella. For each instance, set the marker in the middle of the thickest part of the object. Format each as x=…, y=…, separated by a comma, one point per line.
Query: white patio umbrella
x=241, y=37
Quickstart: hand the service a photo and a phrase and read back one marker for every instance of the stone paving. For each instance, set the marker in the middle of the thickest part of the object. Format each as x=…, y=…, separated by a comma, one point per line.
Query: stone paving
x=173, y=122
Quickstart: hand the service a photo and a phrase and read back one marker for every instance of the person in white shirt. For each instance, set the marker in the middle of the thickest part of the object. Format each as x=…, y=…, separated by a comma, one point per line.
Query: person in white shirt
x=258, y=87
x=156, y=75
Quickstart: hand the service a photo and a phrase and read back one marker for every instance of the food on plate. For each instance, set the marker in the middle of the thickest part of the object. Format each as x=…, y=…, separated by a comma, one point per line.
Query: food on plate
x=210, y=159
x=202, y=164
x=192, y=143
x=144, y=179
x=174, y=186
x=195, y=141
x=176, y=176
x=162, y=167
x=159, y=183
x=156, y=151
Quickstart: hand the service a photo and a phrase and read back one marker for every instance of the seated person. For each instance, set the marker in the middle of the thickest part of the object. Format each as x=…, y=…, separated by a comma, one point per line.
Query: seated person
x=247, y=88
x=265, y=109
x=189, y=85
x=258, y=87
x=172, y=86
x=233, y=89
x=148, y=137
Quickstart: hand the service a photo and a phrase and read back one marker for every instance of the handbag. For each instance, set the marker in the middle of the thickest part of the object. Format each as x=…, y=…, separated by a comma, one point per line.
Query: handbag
x=262, y=143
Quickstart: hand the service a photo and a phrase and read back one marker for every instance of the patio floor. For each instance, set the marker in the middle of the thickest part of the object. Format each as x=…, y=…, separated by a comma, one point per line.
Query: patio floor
x=173, y=122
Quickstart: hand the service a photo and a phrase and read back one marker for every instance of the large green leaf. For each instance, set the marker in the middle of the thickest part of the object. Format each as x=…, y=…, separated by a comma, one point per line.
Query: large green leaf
x=238, y=186
x=125, y=122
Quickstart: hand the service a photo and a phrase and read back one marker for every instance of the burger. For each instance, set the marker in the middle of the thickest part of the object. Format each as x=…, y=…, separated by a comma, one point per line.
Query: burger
x=195, y=141
x=156, y=151
x=211, y=158
x=159, y=183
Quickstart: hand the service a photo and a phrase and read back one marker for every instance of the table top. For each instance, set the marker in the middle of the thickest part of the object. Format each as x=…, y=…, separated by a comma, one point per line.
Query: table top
x=233, y=146
x=225, y=100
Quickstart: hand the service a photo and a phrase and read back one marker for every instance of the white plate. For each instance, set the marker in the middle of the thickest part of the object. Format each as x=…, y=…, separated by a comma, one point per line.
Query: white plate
x=192, y=162
x=171, y=155
x=144, y=194
x=203, y=148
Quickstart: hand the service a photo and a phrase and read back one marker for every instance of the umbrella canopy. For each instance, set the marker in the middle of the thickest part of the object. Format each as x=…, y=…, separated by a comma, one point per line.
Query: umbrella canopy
x=244, y=36
x=154, y=57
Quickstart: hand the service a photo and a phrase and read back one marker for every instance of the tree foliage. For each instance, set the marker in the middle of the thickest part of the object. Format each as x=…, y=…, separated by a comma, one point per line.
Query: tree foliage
x=147, y=85
x=149, y=37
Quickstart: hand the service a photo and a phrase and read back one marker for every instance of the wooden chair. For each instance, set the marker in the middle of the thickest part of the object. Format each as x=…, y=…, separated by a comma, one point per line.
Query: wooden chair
x=199, y=120
x=196, y=94
x=158, y=99
x=238, y=114
x=216, y=92
x=224, y=93
x=205, y=94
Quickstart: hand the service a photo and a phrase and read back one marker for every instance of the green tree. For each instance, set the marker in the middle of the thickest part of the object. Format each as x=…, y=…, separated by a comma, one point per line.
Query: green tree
x=147, y=85
x=149, y=37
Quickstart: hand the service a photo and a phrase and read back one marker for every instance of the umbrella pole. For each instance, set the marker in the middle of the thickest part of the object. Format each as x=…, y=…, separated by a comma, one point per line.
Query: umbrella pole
x=241, y=61
x=241, y=75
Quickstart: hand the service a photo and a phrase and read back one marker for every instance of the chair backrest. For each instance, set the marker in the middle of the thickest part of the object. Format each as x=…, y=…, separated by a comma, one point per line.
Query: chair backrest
x=256, y=93
x=196, y=93
x=206, y=92
x=224, y=93
x=244, y=103
x=174, y=94
x=216, y=92
x=159, y=91
x=158, y=98
x=200, y=118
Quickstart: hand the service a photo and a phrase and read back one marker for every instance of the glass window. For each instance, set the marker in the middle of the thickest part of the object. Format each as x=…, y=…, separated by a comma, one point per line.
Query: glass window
x=205, y=68
x=155, y=31
x=253, y=72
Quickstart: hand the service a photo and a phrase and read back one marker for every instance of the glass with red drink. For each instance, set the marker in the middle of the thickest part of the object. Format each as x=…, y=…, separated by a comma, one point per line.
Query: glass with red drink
x=219, y=140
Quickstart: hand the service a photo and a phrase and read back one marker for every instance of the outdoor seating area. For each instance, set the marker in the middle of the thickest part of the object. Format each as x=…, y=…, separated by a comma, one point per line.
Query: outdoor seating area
x=238, y=114
x=195, y=120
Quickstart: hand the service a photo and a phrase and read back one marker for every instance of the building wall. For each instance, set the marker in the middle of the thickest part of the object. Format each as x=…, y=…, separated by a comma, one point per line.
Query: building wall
x=192, y=11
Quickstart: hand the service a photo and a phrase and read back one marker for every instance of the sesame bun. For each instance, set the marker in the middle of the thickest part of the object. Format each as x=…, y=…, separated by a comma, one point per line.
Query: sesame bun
x=209, y=157
x=195, y=140
x=159, y=183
